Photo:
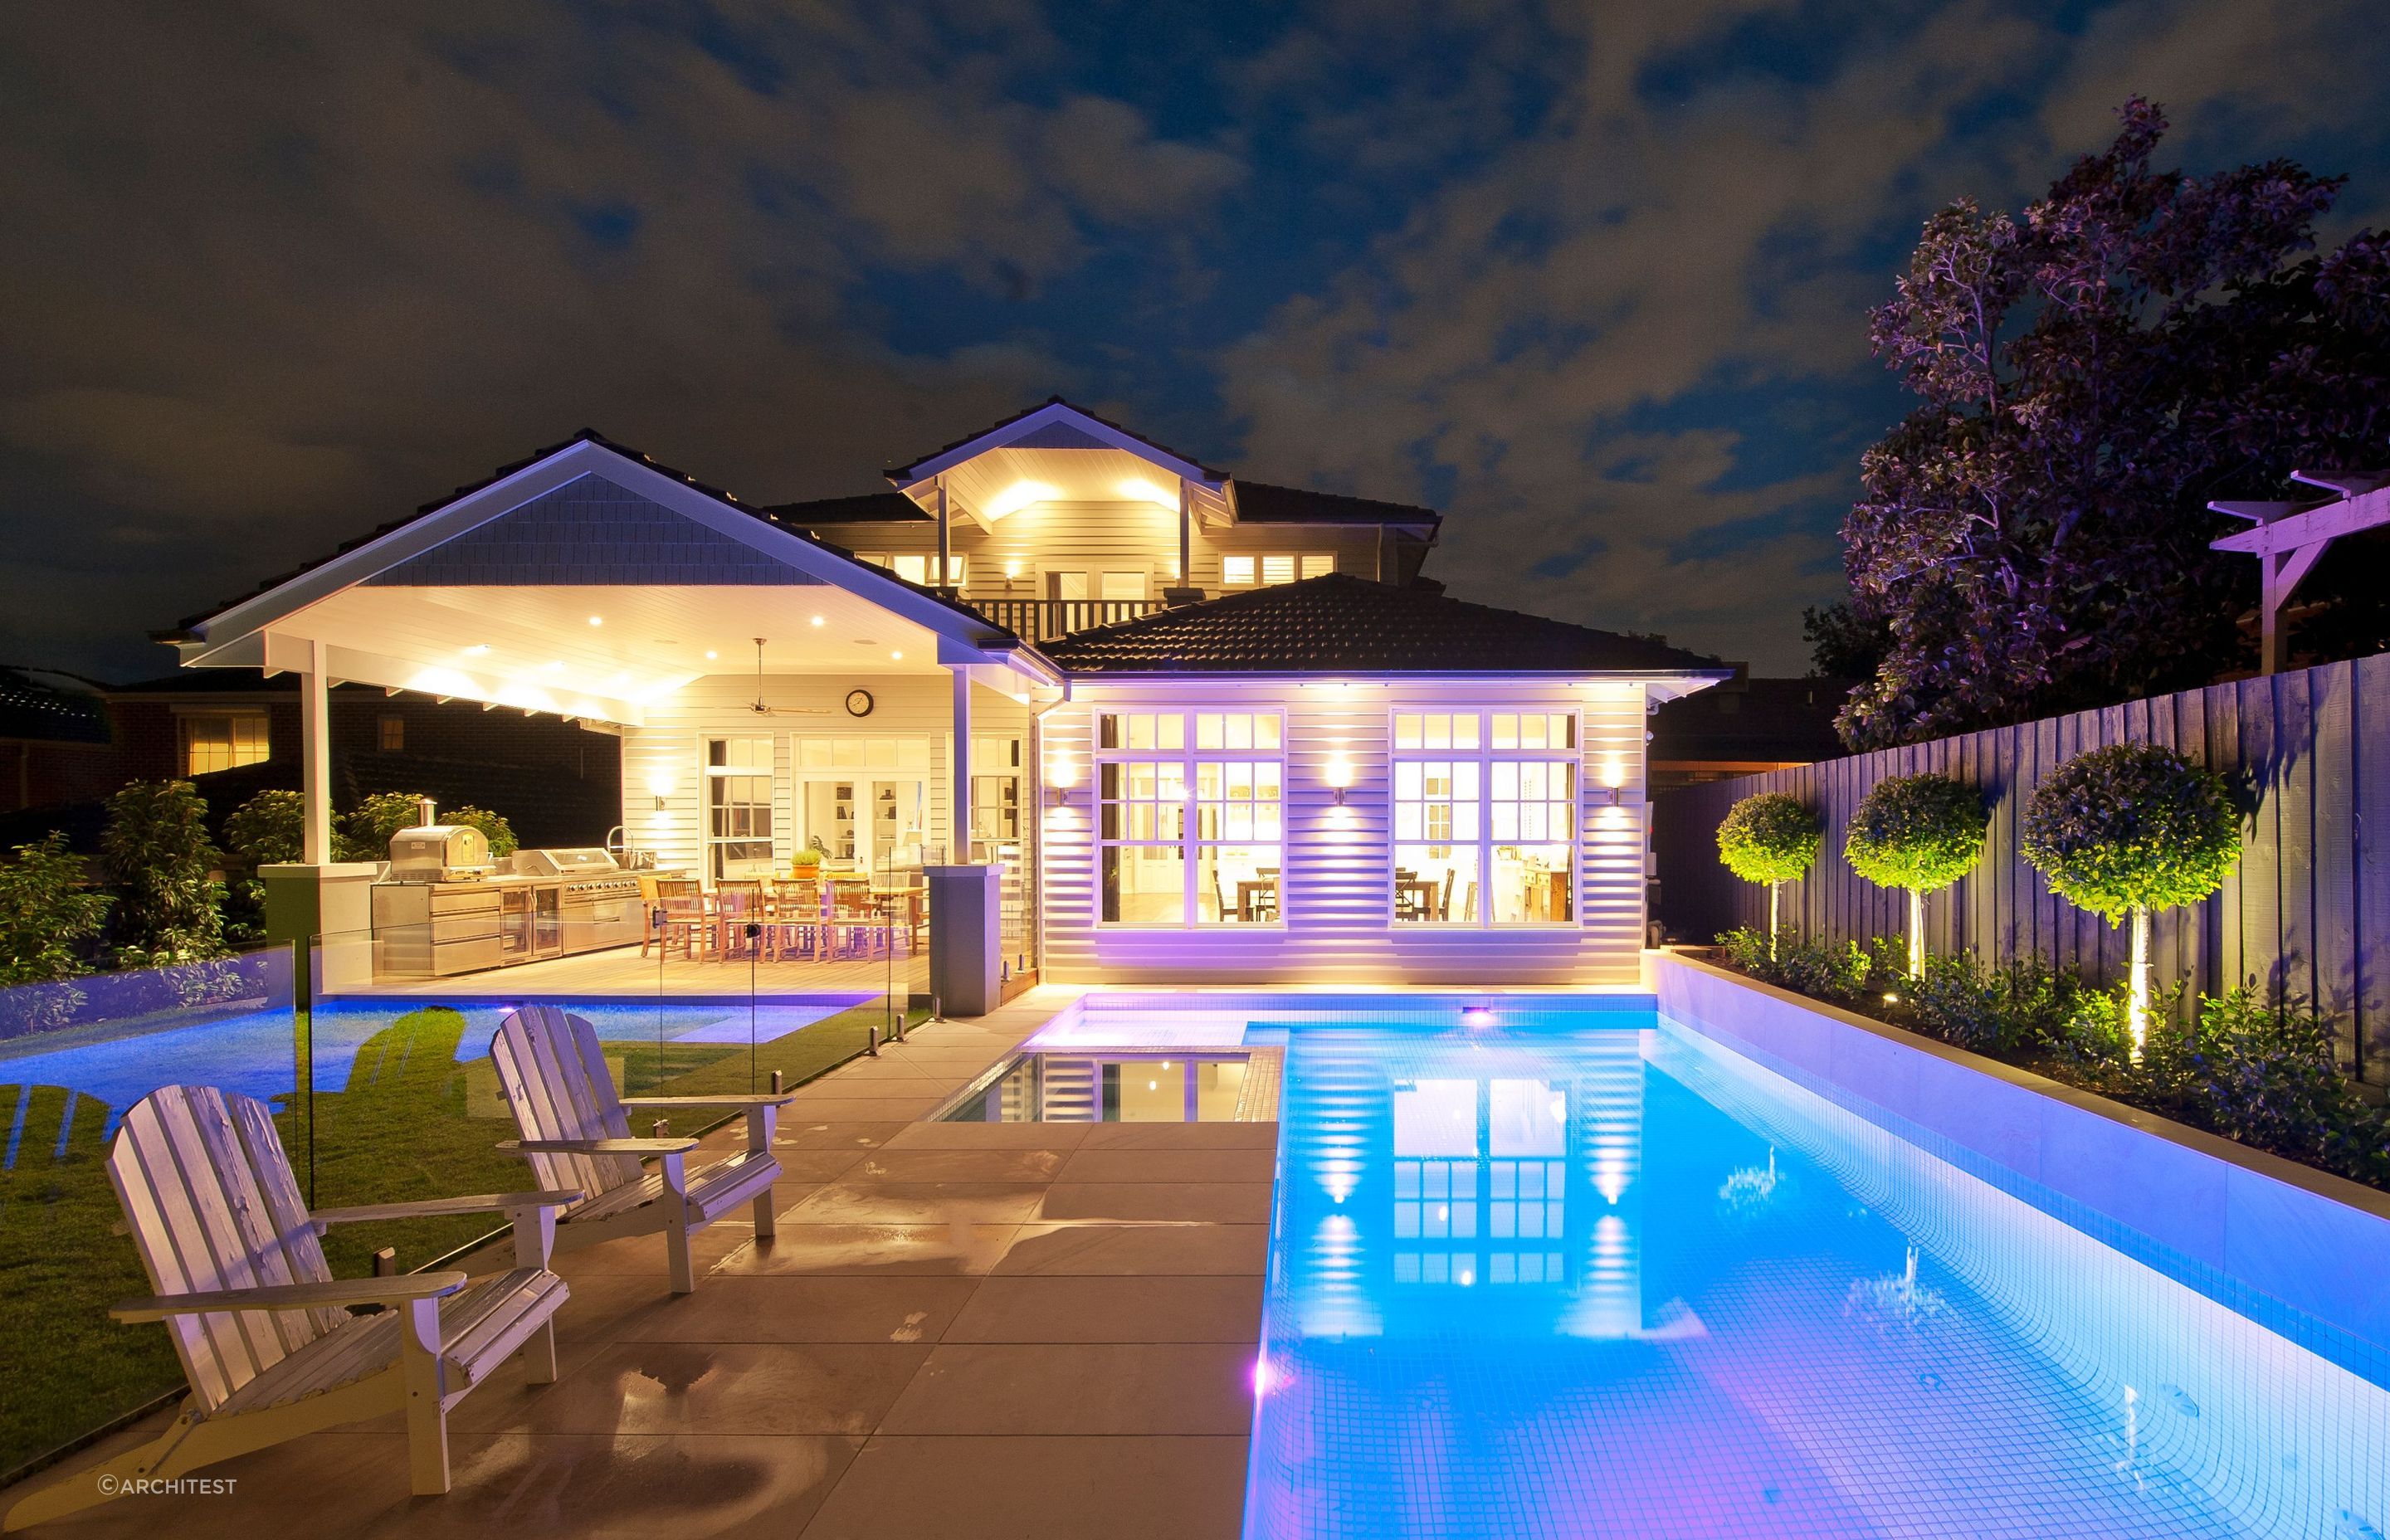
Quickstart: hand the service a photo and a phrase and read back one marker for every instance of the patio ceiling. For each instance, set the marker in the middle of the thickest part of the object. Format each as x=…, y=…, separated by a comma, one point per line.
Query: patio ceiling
x=538, y=649
x=999, y=483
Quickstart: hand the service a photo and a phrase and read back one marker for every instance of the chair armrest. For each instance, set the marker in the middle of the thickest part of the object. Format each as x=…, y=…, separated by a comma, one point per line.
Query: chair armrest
x=598, y=1147
x=332, y=1293
x=666, y=1104
x=432, y=1208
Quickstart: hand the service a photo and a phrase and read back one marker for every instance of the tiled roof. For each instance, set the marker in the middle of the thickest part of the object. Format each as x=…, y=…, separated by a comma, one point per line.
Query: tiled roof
x=871, y=507
x=1259, y=503
x=42, y=714
x=1345, y=624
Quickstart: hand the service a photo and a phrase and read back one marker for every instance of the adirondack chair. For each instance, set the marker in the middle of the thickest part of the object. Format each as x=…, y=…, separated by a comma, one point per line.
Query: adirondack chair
x=576, y=1133
x=262, y=1326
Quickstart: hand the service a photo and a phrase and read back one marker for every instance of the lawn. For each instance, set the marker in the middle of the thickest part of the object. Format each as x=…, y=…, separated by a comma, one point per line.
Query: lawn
x=411, y=1122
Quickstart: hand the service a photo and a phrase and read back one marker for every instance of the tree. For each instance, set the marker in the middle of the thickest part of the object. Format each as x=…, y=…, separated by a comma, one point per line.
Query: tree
x=48, y=918
x=162, y=865
x=1918, y=832
x=1769, y=838
x=2128, y=829
x=2034, y=537
x=1844, y=644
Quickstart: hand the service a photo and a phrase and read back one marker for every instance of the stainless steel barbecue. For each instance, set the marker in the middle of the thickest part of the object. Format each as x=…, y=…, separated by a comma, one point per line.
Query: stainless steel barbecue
x=439, y=853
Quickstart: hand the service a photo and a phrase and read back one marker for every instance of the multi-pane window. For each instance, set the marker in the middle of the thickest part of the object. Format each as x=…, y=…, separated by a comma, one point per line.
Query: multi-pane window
x=223, y=741
x=1192, y=816
x=1484, y=814
x=394, y=735
x=738, y=807
x=1245, y=571
x=996, y=791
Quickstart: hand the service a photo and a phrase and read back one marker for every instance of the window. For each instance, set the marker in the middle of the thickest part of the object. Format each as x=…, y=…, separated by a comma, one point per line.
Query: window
x=1192, y=811
x=738, y=807
x=1484, y=810
x=996, y=791
x=223, y=741
x=1240, y=572
x=394, y=735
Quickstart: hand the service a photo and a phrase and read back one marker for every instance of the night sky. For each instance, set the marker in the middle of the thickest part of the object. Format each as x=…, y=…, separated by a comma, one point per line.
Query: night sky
x=1593, y=280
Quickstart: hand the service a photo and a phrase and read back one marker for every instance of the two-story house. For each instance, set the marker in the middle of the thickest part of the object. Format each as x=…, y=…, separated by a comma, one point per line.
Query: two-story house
x=1207, y=729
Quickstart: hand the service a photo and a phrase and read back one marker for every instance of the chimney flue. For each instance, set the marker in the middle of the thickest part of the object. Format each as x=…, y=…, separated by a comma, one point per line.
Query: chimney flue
x=423, y=811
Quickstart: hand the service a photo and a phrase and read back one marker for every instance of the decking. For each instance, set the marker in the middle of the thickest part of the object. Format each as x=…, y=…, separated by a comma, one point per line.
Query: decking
x=1041, y=1329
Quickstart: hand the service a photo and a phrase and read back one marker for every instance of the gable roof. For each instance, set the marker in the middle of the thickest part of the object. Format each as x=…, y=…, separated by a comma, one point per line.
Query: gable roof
x=189, y=628
x=1345, y=624
x=1057, y=432
x=871, y=507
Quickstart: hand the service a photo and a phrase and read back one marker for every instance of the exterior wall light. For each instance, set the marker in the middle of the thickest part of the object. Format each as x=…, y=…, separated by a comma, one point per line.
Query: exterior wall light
x=1339, y=775
x=1061, y=774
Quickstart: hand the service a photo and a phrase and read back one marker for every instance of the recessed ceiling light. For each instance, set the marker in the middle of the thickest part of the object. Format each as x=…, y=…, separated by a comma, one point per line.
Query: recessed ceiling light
x=817, y=620
x=899, y=656
x=597, y=620
x=711, y=653
x=477, y=650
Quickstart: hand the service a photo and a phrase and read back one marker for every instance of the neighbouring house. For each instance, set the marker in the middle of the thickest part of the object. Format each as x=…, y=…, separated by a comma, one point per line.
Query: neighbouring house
x=1286, y=755
x=1745, y=727
x=55, y=743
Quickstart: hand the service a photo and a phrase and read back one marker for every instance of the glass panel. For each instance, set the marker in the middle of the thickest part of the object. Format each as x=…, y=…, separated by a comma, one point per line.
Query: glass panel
x=1237, y=571
x=1435, y=884
x=1145, y=885
x=1318, y=566
x=1218, y=1084
x=1143, y=1091
x=1237, y=884
x=1278, y=568
x=1530, y=885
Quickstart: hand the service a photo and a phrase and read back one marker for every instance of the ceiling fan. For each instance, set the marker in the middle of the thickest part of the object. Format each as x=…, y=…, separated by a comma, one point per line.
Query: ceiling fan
x=763, y=708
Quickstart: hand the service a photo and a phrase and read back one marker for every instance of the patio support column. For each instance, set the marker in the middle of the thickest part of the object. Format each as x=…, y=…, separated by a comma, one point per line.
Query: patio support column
x=1184, y=591
x=315, y=758
x=959, y=787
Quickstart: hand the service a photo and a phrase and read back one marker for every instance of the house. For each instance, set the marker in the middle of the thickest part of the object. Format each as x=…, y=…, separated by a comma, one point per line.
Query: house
x=1297, y=761
x=55, y=744
x=1745, y=727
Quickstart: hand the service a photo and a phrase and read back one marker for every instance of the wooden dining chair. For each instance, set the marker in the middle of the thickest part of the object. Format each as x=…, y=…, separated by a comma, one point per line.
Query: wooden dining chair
x=1444, y=902
x=682, y=902
x=737, y=904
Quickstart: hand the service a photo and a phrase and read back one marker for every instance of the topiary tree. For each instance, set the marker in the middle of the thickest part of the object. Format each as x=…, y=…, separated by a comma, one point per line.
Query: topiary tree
x=1769, y=838
x=2128, y=829
x=1918, y=832
x=161, y=865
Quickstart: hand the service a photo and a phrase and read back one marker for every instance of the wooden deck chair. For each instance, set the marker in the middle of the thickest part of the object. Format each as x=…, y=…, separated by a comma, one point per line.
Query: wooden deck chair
x=262, y=1326
x=576, y=1131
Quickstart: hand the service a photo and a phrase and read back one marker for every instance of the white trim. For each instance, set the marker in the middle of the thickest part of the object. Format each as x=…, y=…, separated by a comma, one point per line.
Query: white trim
x=1053, y=412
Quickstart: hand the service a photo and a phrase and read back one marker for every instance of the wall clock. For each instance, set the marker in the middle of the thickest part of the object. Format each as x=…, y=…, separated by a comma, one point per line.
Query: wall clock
x=858, y=702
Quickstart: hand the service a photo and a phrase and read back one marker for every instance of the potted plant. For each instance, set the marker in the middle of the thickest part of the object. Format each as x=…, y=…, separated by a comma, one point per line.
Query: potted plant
x=1920, y=833
x=1769, y=838
x=2123, y=830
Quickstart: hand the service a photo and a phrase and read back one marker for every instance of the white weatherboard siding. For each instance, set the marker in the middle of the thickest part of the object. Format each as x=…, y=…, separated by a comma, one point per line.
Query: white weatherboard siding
x=1337, y=883
x=667, y=755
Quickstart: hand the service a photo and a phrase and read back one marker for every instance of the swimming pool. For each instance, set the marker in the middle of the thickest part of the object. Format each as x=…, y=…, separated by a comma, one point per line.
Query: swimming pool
x=1601, y=1276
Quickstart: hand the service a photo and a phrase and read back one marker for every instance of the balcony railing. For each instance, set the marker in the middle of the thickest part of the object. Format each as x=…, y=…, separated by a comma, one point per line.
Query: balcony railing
x=1043, y=619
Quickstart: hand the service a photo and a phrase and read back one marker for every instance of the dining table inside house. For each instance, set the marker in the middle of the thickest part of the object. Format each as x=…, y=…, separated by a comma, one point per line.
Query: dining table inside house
x=1415, y=898
x=1257, y=900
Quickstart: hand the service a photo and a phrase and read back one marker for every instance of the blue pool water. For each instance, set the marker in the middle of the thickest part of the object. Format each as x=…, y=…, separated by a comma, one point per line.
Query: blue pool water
x=1608, y=1278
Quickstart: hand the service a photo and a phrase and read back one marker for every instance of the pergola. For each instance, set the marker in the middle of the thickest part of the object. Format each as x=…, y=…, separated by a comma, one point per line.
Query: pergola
x=2290, y=536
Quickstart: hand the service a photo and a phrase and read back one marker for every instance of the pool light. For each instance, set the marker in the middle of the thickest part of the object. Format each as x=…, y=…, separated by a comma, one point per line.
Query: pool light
x=1477, y=1017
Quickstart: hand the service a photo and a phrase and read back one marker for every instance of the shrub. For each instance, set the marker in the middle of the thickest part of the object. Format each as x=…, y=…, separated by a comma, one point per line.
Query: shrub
x=1918, y=832
x=2127, y=829
x=47, y=916
x=160, y=865
x=1769, y=838
x=2271, y=1078
x=268, y=828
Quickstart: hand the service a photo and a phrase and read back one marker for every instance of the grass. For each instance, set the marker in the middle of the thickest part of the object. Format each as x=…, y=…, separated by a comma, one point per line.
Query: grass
x=412, y=1122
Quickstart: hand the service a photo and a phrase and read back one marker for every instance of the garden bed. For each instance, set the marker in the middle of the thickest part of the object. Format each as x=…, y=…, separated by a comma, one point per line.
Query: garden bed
x=2259, y=1074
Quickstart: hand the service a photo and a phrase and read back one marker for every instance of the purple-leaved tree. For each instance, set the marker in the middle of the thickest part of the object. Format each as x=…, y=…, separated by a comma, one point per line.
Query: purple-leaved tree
x=2033, y=537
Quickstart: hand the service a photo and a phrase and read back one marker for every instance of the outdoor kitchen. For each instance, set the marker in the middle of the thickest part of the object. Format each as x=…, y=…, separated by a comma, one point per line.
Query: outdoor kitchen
x=445, y=905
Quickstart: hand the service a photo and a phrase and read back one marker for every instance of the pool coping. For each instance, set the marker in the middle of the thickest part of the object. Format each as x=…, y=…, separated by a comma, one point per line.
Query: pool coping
x=2275, y=1241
